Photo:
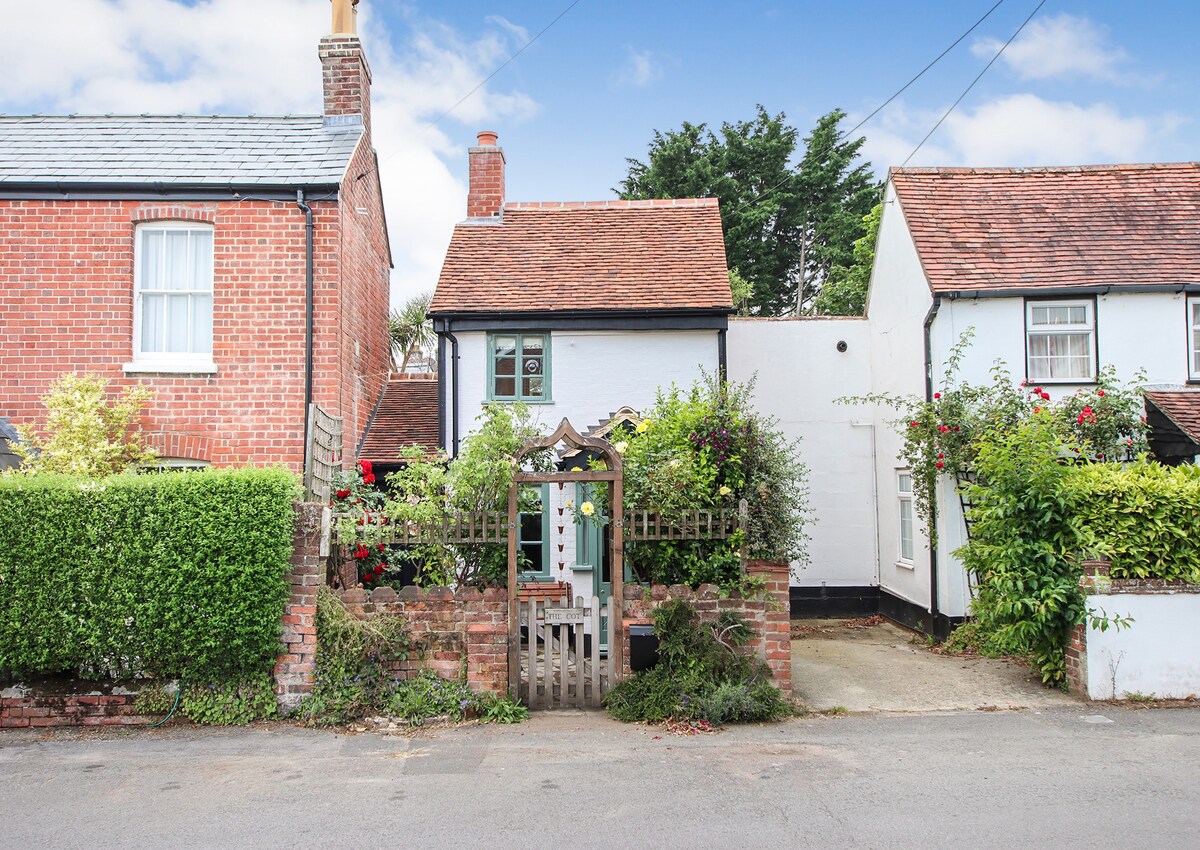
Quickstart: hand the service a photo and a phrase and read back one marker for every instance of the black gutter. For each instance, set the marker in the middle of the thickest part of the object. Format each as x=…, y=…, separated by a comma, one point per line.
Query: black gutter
x=443, y=388
x=933, y=561
x=454, y=398
x=159, y=191
x=456, y=315
x=592, y=322
x=1067, y=291
x=308, y=313
x=722, y=359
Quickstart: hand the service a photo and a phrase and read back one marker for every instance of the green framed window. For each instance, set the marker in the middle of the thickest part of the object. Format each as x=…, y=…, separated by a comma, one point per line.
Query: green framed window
x=533, y=532
x=519, y=367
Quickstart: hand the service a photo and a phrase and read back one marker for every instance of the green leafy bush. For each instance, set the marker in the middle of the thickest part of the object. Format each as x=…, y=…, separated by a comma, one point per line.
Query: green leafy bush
x=179, y=575
x=230, y=702
x=706, y=448
x=699, y=675
x=1145, y=517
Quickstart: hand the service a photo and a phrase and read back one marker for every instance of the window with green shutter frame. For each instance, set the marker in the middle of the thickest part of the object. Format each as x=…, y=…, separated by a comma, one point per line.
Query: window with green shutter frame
x=519, y=367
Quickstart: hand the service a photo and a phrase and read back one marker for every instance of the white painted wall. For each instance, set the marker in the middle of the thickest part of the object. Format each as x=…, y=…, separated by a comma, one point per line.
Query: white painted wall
x=1158, y=654
x=896, y=308
x=593, y=373
x=800, y=373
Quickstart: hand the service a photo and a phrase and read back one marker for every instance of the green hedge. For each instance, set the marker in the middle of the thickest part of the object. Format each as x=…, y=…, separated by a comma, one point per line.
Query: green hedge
x=172, y=574
x=1146, y=515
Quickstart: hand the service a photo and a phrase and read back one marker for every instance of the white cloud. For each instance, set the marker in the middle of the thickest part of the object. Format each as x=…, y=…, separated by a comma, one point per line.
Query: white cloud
x=1020, y=130
x=641, y=68
x=163, y=56
x=1063, y=45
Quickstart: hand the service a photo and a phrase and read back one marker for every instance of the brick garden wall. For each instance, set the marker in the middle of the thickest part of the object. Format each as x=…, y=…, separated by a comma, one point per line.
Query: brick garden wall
x=768, y=615
x=22, y=708
x=1157, y=654
x=456, y=630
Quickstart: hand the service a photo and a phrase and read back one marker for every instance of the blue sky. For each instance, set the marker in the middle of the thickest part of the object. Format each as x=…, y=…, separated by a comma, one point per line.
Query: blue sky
x=1096, y=81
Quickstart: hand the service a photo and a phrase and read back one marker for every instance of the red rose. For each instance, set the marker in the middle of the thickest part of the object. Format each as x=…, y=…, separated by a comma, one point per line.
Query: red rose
x=1045, y=396
x=378, y=569
x=940, y=464
x=343, y=493
x=941, y=456
x=1100, y=392
x=912, y=424
x=937, y=395
x=382, y=546
x=365, y=466
x=1037, y=410
x=1087, y=411
x=369, y=478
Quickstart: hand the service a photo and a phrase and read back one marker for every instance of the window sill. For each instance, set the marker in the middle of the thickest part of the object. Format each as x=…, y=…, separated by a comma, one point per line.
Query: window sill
x=1057, y=382
x=906, y=565
x=515, y=400
x=151, y=367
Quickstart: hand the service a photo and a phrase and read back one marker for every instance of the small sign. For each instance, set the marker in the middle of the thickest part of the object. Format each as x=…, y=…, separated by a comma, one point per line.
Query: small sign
x=563, y=616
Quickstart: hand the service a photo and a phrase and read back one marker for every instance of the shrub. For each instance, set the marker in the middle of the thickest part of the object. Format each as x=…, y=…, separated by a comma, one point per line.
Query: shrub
x=179, y=575
x=1144, y=517
x=699, y=675
x=230, y=702
x=85, y=433
x=706, y=448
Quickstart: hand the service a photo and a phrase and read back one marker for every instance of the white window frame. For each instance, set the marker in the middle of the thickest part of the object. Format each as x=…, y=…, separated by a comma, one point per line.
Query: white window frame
x=1087, y=327
x=904, y=499
x=175, y=464
x=1193, y=323
x=191, y=362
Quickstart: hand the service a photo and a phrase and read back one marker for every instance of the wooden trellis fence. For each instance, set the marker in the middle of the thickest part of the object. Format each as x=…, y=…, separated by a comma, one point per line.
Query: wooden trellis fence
x=324, y=444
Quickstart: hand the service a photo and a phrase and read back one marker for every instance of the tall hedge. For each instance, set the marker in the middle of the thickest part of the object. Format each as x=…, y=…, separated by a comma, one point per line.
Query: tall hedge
x=1146, y=515
x=172, y=574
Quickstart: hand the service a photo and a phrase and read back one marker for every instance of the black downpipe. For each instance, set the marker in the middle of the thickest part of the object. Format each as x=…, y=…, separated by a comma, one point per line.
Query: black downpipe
x=308, y=312
x=443, y=387
x=933, y=561
x=454, y=398
x=722, y=358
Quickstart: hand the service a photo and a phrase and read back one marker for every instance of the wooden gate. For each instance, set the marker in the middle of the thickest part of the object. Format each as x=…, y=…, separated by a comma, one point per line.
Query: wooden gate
x=552, y=658
x=561, y=664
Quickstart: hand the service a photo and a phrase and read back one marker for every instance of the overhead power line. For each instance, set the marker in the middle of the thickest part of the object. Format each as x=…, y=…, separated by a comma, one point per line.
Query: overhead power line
x=978, y=77
x=843, y=136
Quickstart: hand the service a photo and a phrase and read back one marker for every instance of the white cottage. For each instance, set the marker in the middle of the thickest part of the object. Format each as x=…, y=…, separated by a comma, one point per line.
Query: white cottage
x=580, y=310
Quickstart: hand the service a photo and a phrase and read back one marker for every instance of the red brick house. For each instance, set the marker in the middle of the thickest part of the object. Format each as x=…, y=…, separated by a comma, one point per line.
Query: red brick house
x=238, y=265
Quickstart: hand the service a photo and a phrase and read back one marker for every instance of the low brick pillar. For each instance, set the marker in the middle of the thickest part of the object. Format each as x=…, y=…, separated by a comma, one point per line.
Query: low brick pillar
x=1095, y=577
x=776, y=626
x=295, y=668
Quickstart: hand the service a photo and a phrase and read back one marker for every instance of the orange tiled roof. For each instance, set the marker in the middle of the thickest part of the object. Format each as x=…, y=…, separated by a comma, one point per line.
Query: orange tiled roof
x=1180, y=406
x=600, y=255
x=407, y=416
x=1102, y=225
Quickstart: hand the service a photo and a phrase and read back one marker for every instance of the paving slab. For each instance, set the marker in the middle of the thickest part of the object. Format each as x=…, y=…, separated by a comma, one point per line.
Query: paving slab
x=882, y=667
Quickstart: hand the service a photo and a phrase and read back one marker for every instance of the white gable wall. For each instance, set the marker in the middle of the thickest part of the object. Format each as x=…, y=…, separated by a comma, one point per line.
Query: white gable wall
x=799, y=374
x=899, y=301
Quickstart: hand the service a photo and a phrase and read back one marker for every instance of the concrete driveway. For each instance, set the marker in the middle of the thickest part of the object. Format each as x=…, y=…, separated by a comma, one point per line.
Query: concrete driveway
x=873, y=665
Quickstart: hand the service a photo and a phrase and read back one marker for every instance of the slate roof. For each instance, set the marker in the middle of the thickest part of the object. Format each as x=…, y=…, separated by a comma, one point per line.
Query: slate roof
x=185, y=150
x=601, y=255
x=407, y=415
x=1093, y=226
x=1182, y=407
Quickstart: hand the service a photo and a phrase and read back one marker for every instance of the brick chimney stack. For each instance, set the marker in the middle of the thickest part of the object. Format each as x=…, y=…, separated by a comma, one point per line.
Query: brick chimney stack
x=345, y=73
x=485, y=192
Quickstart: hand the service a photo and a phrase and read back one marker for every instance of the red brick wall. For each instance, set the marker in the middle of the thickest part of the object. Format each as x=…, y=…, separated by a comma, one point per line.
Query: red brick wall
x=454, y=628
x=92, y=708
x=346, y=77
x=361, y=359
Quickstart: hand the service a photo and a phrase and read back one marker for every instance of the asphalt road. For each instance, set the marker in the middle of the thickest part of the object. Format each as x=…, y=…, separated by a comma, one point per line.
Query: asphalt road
x=1078, y=777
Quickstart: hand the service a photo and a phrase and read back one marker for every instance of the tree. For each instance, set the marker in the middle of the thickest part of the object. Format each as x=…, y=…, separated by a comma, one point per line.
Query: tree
x=85, y=433
x=785, y=225
x=844, y=292
x=409, y=328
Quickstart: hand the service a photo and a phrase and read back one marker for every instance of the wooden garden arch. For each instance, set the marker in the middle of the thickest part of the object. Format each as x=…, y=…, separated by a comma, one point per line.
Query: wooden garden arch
x=565, y=433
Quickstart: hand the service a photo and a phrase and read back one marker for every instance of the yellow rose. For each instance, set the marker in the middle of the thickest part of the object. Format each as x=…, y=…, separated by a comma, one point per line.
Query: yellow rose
x=587, y=509
x=642, y=426
x=621, y=447
x=576, y=469
x=724, y=491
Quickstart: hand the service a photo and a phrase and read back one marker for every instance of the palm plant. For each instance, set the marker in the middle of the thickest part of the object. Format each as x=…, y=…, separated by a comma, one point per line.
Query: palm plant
x=410, y=327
